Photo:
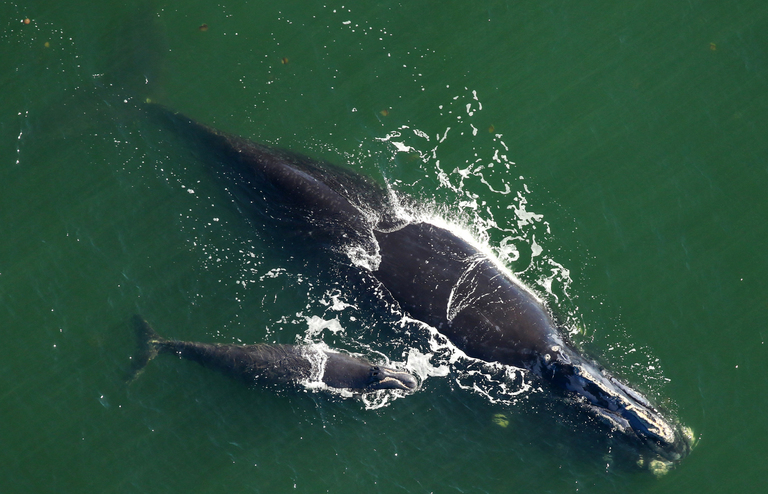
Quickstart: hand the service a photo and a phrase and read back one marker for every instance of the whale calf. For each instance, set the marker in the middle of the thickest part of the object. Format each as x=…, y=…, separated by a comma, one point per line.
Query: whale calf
x=264, y=364
x=434, y=275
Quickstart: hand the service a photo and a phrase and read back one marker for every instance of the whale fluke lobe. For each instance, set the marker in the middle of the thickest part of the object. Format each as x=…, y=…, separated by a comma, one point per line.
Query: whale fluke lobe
x=145, y=348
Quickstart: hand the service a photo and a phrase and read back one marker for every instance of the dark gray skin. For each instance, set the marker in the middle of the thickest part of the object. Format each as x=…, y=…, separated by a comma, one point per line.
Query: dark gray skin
x=282, y=365
x=433, y=274
x=490, y=316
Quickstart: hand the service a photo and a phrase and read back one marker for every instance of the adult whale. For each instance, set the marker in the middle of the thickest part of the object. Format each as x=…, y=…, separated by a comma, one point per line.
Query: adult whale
x=280, y=365
x=434, y=274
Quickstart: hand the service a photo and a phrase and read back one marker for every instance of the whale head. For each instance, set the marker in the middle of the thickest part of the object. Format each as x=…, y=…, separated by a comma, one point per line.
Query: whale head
x=386, y=378
x=632, y=414
x=622, y=407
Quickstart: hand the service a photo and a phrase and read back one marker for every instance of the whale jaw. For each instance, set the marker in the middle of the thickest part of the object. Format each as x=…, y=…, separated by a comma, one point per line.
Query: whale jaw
x=622, y=407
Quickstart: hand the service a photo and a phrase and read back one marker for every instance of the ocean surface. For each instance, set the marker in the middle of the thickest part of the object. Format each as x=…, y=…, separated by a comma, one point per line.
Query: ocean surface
x=613, y=155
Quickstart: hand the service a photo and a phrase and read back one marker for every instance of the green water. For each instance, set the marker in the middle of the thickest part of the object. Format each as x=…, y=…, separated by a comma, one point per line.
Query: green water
x=636, y=134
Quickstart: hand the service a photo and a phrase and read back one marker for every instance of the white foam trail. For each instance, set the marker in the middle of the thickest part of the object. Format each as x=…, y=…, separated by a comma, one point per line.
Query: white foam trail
x=421, y=365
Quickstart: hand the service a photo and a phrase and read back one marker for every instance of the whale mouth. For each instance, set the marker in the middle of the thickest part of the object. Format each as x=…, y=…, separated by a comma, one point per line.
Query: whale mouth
x=668, y=439
x=623, y=408
x=386, y=378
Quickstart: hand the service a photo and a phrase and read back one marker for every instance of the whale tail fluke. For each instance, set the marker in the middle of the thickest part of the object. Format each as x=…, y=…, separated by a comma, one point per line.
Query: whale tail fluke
x=148, y=345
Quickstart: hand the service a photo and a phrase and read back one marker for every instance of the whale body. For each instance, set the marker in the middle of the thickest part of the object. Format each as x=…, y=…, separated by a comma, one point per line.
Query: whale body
x=279, y=365
x=433, y=274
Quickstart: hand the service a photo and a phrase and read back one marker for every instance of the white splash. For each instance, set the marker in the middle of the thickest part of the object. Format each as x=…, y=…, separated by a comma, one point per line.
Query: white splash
x=315, y=327
x=421, y=365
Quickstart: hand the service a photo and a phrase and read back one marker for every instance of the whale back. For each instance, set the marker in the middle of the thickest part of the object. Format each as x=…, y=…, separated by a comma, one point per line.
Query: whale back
x=255, y=364
x=446, y=282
